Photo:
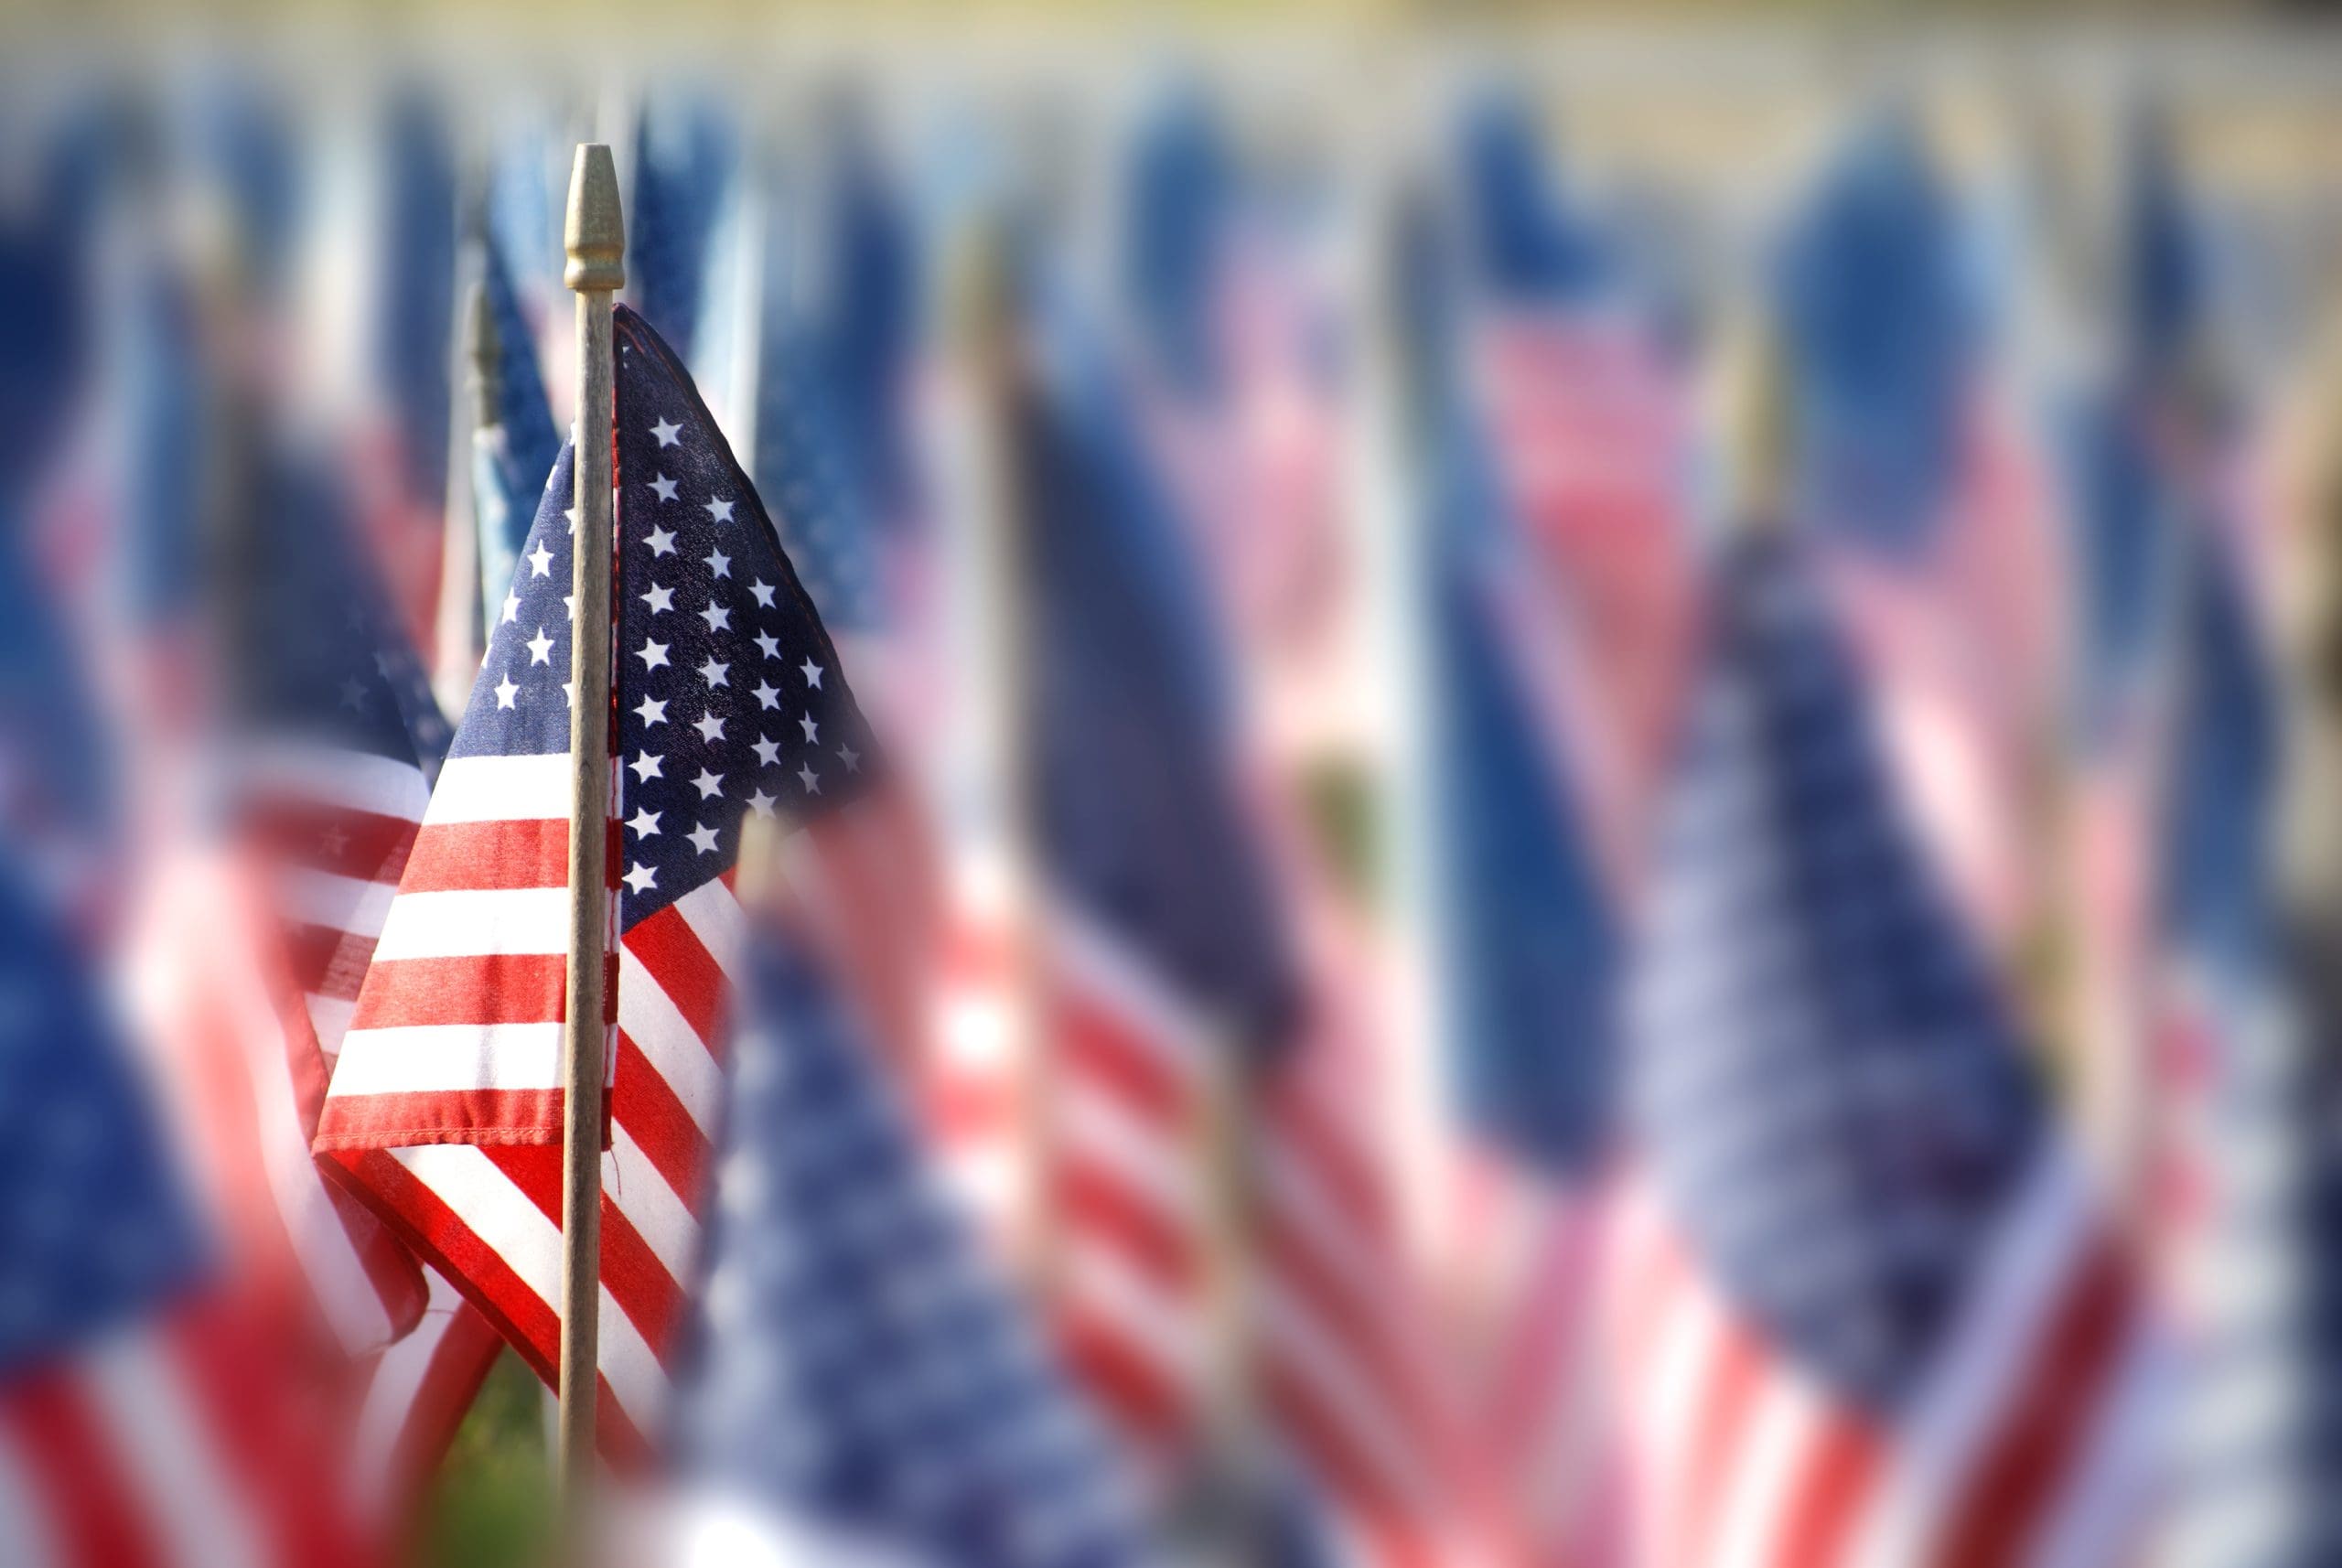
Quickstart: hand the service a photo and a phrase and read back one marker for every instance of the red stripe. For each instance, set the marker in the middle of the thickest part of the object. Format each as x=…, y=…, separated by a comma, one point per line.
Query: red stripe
x=478, y=988
x=646, y=1106
x=1836, y=1475
x=460, y=1363
x=325, y=961
x=1096, y=1044
x=672, y=952
x=1134, y=1388
x=1099, y=1208
x=2031, y=1453
x=337, y=839
x=490, y=1117
x=528, y=852
x=94, y=1513
x=631, y=1271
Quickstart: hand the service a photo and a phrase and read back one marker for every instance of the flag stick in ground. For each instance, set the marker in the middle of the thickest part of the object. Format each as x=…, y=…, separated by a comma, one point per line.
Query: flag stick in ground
x=595, y=239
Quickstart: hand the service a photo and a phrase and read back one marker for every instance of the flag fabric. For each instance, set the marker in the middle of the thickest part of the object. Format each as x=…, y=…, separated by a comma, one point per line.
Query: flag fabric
x=445, y=1112
x=512, y=455
x=684, y=155
x=1162, y=944
x=1866, y=1310
x=856, y=1364
x=416, y=1395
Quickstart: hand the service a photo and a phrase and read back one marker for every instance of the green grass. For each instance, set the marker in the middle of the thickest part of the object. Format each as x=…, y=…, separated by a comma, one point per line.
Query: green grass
x=489, y=1505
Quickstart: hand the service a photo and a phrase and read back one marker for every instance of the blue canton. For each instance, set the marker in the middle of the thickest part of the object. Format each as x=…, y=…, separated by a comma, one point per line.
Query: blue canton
x=1835, y=1104
x=855, y=1358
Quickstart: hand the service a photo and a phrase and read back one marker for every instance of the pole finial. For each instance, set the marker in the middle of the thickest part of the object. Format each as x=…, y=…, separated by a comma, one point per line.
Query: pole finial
x=595, y=234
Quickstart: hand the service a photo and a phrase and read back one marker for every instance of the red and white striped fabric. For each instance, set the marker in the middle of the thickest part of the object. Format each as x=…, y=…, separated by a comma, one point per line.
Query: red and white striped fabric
x=479, y=928
x=1342, y=1369
x=185, y=1441
x=2028, y=1444
x=417, y=1393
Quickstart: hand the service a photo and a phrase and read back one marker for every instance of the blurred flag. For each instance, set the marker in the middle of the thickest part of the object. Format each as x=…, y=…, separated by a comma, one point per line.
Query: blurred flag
x=857, y=1367
x=512, y=452
x=446, y=1108
x=403, y=470
x=1162, y=946
x=684, y=159
x=1907, y=463
x=1867, y=1311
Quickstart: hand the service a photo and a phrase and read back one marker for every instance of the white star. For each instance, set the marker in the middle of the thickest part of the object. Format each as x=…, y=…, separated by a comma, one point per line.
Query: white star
x=652, y=711
x=768, y=752
x=646, y=766
x=353, y=695
x=709, y=784
x=572, y=515
x=540, y=648
x=641, y=877
x=721, y=510
x=569, y=693
x=645, y=823
x=569, y=608
x=763, y=590
x=715, y=674
x=505, y=691
x=812, y=673
x=540, y=561
x=665, y=430
x=761, y=803
x=719, y=563
x=850, y=758
x=703, y=839
x=718, y=619
x=653, y=654
x=769, y=644
x=661, y=543
x=768, y=694
x=809, y=727
x=658, y=598
x=710, y=727
x=805, y=776
x=511, y=605
x=664, y=488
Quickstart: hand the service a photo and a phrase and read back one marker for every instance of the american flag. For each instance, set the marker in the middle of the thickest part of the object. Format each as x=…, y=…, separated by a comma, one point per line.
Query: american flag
x=445, y=1112
x=1163, y=945
x=1866, y=1310
x=857, y=1365
x=146, y=1416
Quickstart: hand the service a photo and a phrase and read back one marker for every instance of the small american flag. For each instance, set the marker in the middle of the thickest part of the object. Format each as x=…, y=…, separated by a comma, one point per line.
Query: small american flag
x=857, y=1364
x=1867, y=1312
x=446, y=1108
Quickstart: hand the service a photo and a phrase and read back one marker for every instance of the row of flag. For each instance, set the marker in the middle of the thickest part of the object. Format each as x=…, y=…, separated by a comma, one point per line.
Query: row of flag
x=1259, y=911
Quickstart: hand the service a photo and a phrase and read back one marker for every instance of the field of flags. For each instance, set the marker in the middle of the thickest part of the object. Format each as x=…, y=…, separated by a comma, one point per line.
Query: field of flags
x=1334, y=837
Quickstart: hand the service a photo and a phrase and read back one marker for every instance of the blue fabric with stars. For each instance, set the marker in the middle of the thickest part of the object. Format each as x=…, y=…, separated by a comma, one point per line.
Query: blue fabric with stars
x=319, y=657
x=727, y=692
x=1833, y=1099
x=94, y=1229
x=825, y=516
x=854, y=1357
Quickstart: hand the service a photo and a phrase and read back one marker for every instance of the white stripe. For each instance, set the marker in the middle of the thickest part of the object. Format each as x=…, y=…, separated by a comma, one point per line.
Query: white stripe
x=2025, y=1277
x=517, y=1230
x=652, y=1207
x=1685, y=1345
x=1305, y=1347
x=501, y=788
x=28, y=1540
x=2118, y=1474
x=668, y=1042
x=713, y=912
x=471, y=923
x=1101, y=1130
x=1164, y=1330
x=356, y=780
x=329, y=1016
x=153, y=1423
x=1109, y=974
x=337, y=1278
x=337, y=903
x=448, y=1058
x=392, y=1388
x=1760, y=1477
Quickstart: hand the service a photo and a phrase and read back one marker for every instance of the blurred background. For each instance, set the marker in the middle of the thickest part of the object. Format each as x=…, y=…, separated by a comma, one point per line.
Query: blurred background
x=1616, y=750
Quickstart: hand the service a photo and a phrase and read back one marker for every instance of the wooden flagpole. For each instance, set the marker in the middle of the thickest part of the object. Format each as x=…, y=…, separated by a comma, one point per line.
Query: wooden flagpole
x=595, y=239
